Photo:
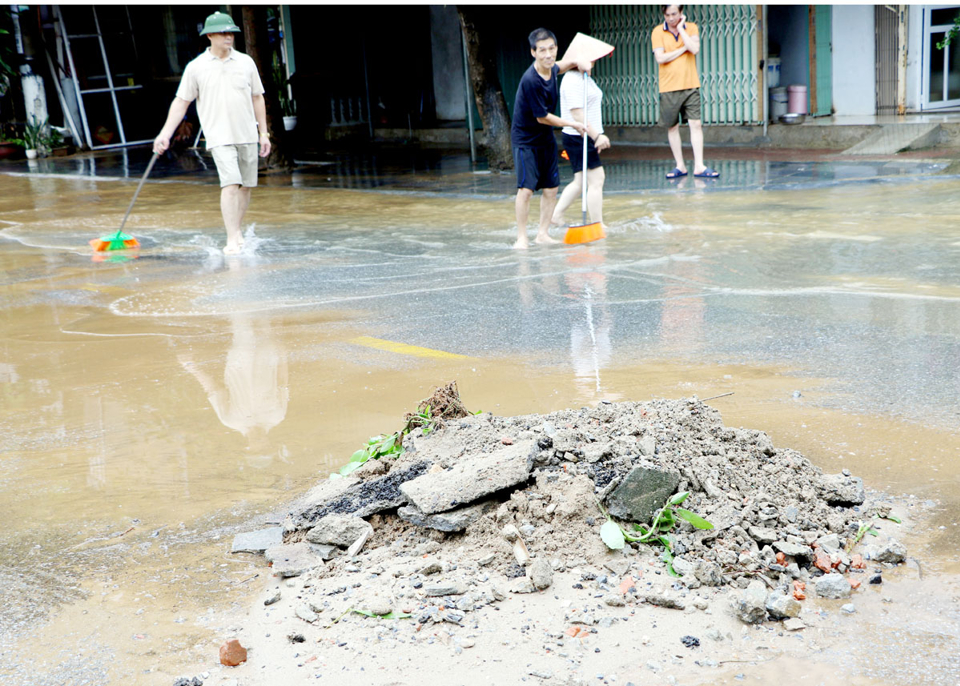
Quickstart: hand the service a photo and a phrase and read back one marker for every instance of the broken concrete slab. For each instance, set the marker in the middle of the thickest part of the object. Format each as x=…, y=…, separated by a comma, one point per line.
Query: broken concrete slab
x=833, y=586
x=840, y=489
x=750, y=606
x=471, y=479
x=292, y=560
x=642, y=493
x=452, y=520
x=800, y=552
x=257, y=541
x=338, y=529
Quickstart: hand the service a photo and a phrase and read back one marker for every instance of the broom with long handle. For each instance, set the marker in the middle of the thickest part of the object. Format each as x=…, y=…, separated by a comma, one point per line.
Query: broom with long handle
x=585, y=233
x=121, y=240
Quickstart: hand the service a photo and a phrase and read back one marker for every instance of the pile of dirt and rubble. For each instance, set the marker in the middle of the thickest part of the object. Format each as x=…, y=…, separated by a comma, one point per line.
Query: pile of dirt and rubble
x=509, y=492
x=486, y=508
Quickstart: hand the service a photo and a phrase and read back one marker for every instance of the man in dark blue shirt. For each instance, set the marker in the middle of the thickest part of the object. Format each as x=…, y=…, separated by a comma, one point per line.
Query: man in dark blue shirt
x=534, y=144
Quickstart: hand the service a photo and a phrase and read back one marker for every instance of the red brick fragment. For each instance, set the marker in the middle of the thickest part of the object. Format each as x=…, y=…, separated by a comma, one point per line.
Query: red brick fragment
x=798, y=590
x=781, y=559
x=856, y=562
x=854, y=583
x=232, y=653
x=822, y=561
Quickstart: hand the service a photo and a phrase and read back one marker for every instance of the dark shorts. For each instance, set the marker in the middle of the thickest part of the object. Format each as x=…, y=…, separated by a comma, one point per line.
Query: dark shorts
x=537, y=167
x=675, y=103
x=574, y=147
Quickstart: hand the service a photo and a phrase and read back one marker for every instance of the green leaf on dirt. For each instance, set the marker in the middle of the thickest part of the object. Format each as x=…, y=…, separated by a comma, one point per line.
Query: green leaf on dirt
x=679, y=498
x=695, y=519
x=872, y=531
x=611, y=534
x=667, y=543
x=389, y=615
x=893, y=519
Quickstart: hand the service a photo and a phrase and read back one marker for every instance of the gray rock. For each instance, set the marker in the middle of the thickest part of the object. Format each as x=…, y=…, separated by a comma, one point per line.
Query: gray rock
x=829, y=543
x=838, y=489
x=794, y=625
x=665, y=599
x=642, y=492
x=893, y=552
x=454, y=520
x=522, y=584
x=849, y=608
x=272, y=598
x=510, y=533
x=763, y=534
x=750, y=606
x=800, y=552
x=648, y=445
x=708, y=573
x=614, y=600
x=791, y=513
x=782, y=606
x=306, y=614
x=833, y=586
x=541, y=573
x=683, y=566
x=292, y=560
x=471, y=479
x=257, y=541
x=431, y=566
x=338, y=529
x=377, y=604
x=442, y=588
x=326, y=552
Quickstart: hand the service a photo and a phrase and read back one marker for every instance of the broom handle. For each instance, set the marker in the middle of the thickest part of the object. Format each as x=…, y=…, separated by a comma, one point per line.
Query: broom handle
x=583, y=202
x=137, y=192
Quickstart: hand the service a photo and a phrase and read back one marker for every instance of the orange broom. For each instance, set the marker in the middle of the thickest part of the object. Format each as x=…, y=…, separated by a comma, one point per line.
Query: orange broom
x=121, y=240
x=586, y=233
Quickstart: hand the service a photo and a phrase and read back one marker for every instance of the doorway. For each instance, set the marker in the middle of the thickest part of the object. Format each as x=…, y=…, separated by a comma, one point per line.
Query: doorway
x=941, y=67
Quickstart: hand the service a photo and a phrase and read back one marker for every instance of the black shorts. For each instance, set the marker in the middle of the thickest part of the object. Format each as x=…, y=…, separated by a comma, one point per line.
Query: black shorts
x=574, y=147
x=537, y=167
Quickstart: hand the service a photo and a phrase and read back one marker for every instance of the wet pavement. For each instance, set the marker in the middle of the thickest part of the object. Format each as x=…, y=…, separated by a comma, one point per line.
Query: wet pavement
x=153, y=406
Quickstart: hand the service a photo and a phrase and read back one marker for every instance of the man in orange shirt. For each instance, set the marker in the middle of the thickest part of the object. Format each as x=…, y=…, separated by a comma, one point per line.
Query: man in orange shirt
x=676, y=43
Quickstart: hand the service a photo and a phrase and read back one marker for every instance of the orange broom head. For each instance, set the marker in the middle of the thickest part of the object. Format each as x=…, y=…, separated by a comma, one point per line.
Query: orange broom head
x=119, y=241
x=564, y=155
x=584, y=234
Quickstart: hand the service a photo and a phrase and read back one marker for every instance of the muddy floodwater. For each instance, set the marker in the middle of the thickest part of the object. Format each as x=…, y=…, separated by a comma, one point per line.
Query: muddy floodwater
x=154, y=407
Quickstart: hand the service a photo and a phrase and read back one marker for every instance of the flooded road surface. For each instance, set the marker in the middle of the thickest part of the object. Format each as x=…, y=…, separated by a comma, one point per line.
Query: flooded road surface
x=154, y=407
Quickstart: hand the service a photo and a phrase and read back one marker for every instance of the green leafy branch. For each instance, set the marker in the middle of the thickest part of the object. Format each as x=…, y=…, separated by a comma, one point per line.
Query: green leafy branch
x=951, y=34
x=867, y=528
x=388, y=445
x=663, y=522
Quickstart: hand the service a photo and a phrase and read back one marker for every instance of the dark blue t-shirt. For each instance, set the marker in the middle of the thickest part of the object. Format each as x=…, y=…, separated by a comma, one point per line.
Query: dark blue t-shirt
x=535, y=98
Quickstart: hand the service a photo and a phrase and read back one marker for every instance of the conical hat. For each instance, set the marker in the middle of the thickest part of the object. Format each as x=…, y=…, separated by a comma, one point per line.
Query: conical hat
x=583, y=47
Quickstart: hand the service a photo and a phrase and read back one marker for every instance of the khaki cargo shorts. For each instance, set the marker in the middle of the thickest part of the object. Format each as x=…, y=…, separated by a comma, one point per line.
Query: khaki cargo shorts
x=675, y=103
x=237, y=164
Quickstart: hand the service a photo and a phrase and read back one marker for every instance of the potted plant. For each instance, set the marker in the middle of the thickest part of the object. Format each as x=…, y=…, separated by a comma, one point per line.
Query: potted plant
x=34, y=134
x=53, y=143
x=287, y=104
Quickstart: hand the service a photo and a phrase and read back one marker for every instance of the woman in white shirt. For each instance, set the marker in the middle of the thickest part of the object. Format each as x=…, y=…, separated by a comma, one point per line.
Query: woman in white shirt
x=571, y=107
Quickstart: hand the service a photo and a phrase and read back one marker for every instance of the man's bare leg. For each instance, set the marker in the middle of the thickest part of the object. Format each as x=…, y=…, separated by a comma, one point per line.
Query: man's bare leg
x=676, y=146
x=548, y=200
x=696, y=142
x=234, y=201
x=570, y=193
x=522, y=206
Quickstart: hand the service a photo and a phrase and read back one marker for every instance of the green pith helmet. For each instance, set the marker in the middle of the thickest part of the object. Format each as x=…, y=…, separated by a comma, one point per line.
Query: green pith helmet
x=218, y=22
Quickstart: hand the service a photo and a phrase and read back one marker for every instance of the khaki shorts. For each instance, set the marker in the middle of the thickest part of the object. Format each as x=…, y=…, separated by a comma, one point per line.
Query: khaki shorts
x=675, y=103
x=236, y=164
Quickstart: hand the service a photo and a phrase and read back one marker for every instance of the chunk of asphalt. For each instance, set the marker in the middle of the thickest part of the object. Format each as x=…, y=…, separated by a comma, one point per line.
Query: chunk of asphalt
x=642, y=493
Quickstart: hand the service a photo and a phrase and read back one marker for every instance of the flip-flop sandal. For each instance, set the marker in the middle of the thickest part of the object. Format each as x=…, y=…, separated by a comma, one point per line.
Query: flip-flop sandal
x=676, y=173
x=708, y=173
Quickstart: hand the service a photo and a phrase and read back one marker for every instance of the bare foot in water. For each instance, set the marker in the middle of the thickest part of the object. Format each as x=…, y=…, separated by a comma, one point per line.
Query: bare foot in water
x=232, y=249
x=544, y=239
x=521, y=244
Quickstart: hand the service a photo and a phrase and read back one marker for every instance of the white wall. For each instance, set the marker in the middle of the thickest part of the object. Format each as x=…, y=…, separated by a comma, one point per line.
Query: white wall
x=914, y=57
x=447, y=50
x=854, y=60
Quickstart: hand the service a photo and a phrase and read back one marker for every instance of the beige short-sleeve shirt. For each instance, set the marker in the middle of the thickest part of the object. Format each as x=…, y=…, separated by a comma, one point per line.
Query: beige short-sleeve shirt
x=224, y=91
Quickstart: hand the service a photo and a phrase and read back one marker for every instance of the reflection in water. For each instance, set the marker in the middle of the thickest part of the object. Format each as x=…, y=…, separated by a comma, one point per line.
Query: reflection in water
x=590, y=346
x=253, y=396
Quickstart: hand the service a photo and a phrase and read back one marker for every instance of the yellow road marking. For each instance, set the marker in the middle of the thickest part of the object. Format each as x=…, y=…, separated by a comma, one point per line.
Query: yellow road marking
x=404, y=349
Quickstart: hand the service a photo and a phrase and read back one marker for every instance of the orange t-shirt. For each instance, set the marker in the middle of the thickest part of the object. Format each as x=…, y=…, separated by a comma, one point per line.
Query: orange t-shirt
x=681, y=73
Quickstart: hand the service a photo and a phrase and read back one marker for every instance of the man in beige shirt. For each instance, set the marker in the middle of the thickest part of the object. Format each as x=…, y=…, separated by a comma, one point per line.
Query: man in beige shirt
x=230, y=104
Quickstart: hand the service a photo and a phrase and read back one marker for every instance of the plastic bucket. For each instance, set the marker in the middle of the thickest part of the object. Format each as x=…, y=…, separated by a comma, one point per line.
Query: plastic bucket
x=778, y=102
x=797, y=99
x=773, y=72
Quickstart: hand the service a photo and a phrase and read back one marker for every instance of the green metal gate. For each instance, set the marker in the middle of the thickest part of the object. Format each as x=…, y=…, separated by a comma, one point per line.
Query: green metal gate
x=728, y=63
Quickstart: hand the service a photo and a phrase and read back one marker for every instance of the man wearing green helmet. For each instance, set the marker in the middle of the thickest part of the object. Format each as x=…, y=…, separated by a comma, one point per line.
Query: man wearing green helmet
x=229, y=95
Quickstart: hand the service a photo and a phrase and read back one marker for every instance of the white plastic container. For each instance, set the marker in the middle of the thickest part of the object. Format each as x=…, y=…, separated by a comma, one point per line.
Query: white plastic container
x=778, y=102
x=773, y=72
